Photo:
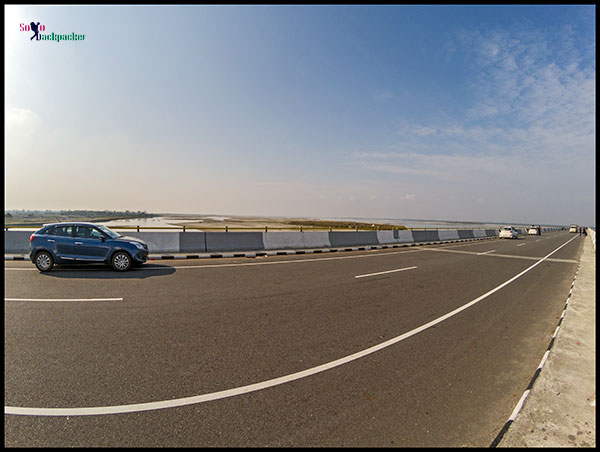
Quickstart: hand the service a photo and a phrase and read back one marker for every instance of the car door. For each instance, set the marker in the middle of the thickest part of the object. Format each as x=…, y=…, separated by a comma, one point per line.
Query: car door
x=60, y=242
x=89, y=244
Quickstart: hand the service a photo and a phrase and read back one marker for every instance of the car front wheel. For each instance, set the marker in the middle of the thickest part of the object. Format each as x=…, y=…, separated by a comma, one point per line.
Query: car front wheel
x=121, y=261
x=44, y=261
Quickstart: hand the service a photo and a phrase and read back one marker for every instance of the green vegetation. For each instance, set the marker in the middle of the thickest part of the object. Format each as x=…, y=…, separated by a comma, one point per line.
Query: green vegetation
x=22, y=217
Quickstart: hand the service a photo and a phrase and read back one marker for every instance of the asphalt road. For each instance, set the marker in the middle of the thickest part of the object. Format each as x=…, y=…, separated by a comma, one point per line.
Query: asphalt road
x=418, y=346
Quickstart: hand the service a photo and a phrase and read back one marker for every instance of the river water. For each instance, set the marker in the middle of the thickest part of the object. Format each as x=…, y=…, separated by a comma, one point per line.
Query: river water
x=169, y=222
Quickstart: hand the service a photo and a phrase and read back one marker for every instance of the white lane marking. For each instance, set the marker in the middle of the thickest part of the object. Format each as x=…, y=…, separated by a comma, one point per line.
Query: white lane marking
x=568, y=261
x=148, y=406
x=486, y=252
x=522, y=244
x=63, y=299
x=383, y=273
x=291, y=261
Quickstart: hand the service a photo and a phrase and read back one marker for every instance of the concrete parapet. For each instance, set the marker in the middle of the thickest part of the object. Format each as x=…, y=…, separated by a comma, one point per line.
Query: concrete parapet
x=425, y=236
x=478, y=233
x=16, y=241
x=403, y=236
x=159, y=241
x=592, y=235
x=385, y=237
x=275, y=240
x=350, y=238
x=448, y=234
x=234, y=241
x=193, y=242
x=465, y=234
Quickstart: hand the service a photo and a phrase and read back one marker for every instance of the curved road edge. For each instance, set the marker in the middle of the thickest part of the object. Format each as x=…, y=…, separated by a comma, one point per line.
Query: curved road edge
x=560, y=410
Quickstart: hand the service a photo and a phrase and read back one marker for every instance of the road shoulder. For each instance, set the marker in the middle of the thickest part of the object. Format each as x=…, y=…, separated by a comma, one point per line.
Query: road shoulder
x=560, y=410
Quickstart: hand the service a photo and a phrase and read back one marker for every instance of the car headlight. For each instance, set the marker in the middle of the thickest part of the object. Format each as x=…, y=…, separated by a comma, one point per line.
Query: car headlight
x=138, y=245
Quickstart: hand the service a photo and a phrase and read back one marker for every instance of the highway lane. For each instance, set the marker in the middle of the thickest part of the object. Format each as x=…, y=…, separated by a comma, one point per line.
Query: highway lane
x=195, y=327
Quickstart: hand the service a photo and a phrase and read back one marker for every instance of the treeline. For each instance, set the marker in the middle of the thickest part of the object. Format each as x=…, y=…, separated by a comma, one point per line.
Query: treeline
x=79, y=213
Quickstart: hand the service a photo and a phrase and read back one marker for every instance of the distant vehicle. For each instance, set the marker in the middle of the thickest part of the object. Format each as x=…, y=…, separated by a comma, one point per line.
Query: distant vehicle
x=508, y=232
x=84, y=243
x=573, y=228
x=534, y=230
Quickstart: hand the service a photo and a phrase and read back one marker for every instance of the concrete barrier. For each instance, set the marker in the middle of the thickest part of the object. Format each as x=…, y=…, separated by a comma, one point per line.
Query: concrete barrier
x=166, y=243
x=592, y=235
x=426, y=236
x=233, y=241
x=281, y=240
x=465, y=234
x=194, y=241
x=17, y=242
x=403, y=236
x=350, y=238
x=448, y=234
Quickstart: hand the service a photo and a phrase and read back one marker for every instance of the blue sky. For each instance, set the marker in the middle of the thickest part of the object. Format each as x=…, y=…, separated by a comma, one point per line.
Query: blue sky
x=483, y=113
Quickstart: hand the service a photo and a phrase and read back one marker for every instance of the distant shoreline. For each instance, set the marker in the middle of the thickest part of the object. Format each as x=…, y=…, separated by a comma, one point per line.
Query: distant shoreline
x=215, y=221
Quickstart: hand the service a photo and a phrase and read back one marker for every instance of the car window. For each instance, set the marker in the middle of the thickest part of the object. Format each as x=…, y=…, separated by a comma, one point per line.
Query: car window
x=112, y=234
x=87, y=232
x=96, y=234
x=63, y=231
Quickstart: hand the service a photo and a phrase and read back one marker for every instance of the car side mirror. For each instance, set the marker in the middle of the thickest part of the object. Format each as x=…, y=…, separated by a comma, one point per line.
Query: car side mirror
x=102, y=239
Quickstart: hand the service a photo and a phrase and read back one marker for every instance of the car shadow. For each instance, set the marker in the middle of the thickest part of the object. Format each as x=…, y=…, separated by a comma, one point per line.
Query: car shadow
x=102, y=271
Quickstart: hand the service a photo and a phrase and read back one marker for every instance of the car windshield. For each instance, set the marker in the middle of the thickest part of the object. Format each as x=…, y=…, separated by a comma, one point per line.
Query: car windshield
x=108, y=232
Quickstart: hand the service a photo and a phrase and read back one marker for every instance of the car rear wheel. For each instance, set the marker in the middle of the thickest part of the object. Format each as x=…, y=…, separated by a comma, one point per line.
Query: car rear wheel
x=121, y=261
x=44, y=261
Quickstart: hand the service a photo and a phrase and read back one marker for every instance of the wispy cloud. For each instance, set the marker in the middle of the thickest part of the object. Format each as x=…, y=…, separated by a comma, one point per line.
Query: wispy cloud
x=533, y=118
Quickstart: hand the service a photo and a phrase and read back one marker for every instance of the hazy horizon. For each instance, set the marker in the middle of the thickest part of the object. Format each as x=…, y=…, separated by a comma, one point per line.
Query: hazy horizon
x=233, y=215
x=350, y=111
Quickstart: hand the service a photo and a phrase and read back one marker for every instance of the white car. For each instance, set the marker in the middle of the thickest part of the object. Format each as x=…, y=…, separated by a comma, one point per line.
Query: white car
x=533, y=230
x=508, y=232
x=573, y=228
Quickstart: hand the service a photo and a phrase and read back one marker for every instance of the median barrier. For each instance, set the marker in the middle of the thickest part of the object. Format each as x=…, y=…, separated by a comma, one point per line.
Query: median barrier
x=165, y=242
x=465, y=234
x=193, y=241
x=281, y=240
x=353, y=238
x=233, y=241
x=426, y=236
x=478, y=233
x=404, y=236
x=385, y=237
x=17, y=242
x=448, y=234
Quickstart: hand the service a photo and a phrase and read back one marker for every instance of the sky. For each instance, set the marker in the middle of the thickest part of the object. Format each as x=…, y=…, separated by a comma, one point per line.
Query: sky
x=464, y=113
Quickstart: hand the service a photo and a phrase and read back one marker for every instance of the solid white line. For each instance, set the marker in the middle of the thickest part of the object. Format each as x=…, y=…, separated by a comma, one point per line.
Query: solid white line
x=383, y=273
x=292, y=261
x=147, y=406
x=515, y=412
x=63, y=299
x=486, y=252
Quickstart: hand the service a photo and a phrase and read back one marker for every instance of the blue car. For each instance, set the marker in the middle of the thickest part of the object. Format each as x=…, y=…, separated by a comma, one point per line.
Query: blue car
x=84, y=243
